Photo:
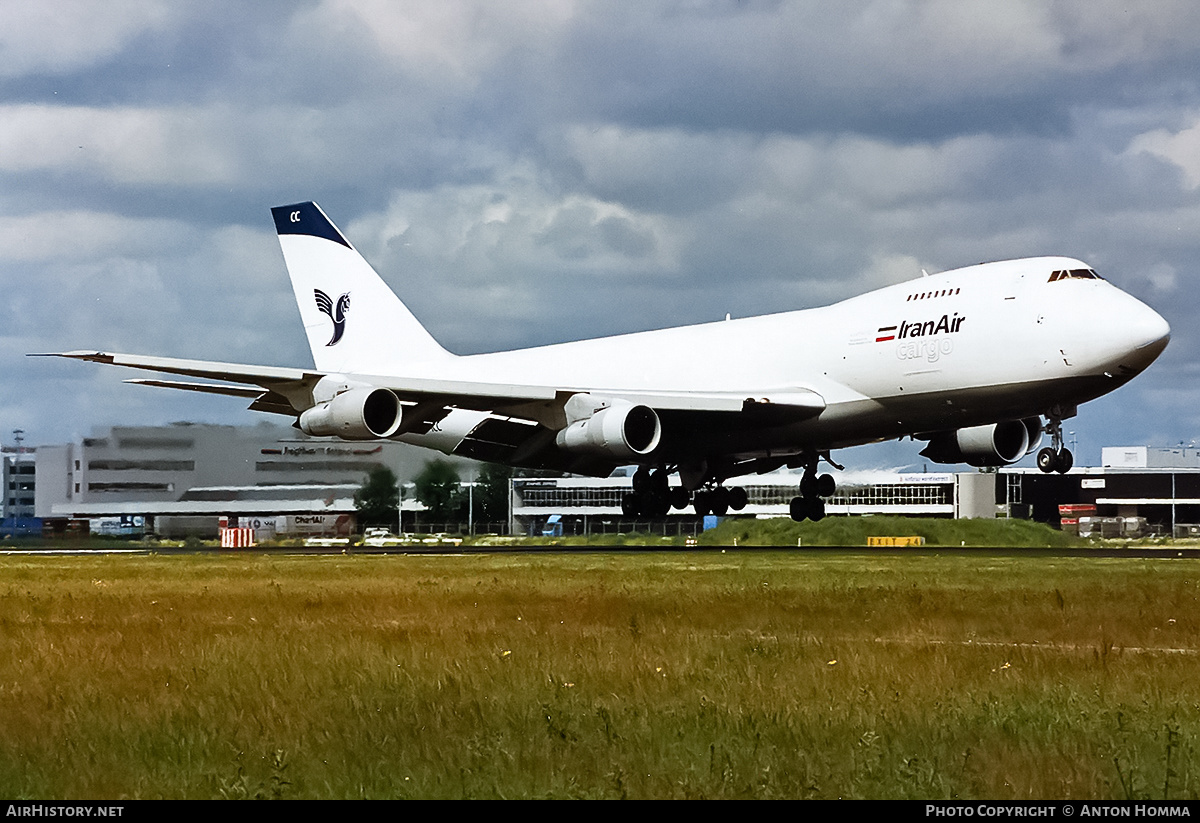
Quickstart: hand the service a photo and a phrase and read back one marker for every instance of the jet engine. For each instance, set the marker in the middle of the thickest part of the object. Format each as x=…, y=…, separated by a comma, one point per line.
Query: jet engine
x=358, y=414
x=617, y=428
x=994, y=444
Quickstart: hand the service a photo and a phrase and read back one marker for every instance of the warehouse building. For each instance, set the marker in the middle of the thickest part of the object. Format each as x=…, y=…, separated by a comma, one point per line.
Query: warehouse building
x=1137, y=489
x=188, y=478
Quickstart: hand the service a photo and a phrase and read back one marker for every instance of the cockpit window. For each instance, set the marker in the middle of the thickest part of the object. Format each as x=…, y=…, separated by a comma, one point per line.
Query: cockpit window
x=1074, y=274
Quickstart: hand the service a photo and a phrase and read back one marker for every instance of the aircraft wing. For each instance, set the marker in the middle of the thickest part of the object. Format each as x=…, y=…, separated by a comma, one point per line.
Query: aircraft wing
x=296, y=385
x=289, y=390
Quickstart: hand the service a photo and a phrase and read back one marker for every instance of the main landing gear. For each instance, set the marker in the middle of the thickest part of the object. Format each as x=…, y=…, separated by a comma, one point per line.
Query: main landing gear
x=653, y=497
x=719, y=500
x=810, y=505
x=1056, y=457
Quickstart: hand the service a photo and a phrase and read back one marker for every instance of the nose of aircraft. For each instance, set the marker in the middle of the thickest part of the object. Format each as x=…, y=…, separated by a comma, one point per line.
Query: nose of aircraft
x=1150, y=328
x=1145, y=331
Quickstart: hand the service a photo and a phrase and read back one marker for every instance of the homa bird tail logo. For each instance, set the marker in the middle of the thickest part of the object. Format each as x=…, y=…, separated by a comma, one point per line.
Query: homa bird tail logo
x=336, y=313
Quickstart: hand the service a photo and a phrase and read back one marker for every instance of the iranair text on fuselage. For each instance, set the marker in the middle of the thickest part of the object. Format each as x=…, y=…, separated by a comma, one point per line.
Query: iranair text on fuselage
x=922, y=339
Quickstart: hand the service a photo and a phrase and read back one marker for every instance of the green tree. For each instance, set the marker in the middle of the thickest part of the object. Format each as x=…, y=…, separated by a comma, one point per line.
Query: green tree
x=376, y=500
x=439, y=488
x=491, y=492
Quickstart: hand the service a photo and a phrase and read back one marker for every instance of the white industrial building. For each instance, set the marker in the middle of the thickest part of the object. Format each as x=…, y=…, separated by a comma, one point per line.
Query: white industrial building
x=188, y=478
x=585, y=504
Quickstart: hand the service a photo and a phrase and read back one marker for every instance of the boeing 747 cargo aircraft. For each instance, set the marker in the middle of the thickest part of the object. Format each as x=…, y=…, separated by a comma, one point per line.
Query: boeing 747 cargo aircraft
x=969, y=361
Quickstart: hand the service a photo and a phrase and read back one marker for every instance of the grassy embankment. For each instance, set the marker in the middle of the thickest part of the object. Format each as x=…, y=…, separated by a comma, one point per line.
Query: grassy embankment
x=762, y=674
x=832, y=531
x=732, y=531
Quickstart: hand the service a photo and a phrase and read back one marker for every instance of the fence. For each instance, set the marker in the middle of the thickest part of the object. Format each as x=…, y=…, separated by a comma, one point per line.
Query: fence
x=455, y=528
x=669, y=527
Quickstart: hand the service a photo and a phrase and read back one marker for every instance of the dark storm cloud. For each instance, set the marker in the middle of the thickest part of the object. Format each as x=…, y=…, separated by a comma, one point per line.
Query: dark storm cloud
x=906, y=71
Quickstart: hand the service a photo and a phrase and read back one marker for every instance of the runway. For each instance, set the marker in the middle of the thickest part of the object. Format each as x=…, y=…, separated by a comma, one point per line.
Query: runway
x=1132, y=552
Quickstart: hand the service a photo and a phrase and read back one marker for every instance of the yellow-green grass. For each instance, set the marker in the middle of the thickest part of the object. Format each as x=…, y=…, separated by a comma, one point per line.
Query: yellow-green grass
x=706, y=674
x=832, y=531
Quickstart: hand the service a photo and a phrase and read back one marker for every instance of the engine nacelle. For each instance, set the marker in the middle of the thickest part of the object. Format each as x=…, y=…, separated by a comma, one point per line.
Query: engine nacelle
x=358, y=414
x=995, y=444
x=1035, y=428
x=618, y=429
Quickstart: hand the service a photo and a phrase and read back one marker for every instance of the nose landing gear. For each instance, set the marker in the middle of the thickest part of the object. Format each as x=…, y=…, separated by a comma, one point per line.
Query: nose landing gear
x=1056, y=457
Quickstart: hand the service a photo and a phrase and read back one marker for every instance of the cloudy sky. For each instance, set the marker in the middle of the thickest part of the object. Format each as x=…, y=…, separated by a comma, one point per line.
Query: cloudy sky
x=533, y=171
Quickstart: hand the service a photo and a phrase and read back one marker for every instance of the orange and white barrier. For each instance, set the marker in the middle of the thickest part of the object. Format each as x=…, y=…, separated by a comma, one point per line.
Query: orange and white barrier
x=237, y=538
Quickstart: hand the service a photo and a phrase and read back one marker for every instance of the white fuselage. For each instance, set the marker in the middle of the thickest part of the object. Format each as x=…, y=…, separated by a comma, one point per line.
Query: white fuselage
x=964, y=347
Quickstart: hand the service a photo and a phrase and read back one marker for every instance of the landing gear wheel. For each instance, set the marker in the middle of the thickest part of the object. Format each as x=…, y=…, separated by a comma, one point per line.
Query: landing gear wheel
x=630, y=506
x=816, y=509
x=798, y=509
x=642, y=482
x=659, y=483
x=826, y=485
x=1047, y=459
x=680, y=497
x=738, y=498
x=1065, y=461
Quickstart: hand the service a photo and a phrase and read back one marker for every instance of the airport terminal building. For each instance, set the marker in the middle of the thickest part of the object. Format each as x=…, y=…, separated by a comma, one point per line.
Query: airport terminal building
x=585, y=504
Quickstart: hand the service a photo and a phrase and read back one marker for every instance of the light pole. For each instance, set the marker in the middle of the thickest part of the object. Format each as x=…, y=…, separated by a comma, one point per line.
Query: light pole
x=471, y=503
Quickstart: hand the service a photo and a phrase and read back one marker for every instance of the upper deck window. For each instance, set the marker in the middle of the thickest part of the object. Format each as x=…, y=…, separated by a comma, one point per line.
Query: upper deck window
x=1074, y=274
x=926, y=295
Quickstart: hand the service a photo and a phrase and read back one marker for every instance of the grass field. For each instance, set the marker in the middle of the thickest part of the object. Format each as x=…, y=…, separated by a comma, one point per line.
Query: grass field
x=699, y=674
